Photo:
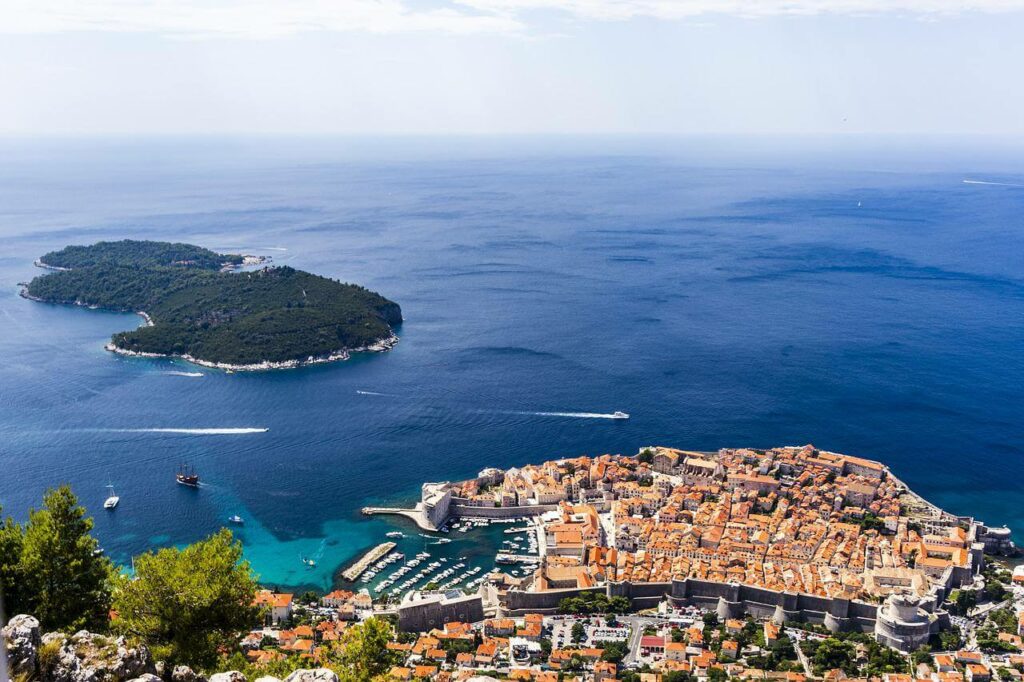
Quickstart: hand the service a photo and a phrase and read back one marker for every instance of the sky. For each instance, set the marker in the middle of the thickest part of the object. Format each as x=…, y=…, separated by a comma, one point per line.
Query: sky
x=441, y=67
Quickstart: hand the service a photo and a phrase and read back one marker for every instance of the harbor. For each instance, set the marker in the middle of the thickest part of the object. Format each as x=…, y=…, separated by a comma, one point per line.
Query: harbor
x=458, y=556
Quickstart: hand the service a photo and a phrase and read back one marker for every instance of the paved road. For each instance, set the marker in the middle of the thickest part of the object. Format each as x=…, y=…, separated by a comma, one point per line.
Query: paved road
x=636, y=625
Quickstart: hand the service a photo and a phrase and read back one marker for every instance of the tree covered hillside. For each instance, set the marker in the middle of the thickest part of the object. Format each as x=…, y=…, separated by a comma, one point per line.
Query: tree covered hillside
x=275, y=314
x=139, y=253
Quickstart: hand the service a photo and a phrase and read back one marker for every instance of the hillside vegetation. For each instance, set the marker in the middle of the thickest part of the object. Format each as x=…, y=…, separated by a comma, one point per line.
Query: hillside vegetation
x=139, y=253
x=275, y=314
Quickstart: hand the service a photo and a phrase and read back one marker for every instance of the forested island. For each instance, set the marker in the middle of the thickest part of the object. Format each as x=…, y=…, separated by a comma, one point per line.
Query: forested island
x=199, y=307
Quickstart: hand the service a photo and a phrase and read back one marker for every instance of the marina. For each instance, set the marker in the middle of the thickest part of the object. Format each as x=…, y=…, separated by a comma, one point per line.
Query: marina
x=434, y=561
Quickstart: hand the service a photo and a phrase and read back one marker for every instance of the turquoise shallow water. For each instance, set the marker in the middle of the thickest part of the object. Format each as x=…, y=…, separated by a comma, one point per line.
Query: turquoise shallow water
x=861, y=297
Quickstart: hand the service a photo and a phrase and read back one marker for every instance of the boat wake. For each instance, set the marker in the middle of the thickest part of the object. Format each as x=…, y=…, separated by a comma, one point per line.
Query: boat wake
x=575, y=415
x=183, y=374
x=988, y=182
x=372, y=393
x=197, y=432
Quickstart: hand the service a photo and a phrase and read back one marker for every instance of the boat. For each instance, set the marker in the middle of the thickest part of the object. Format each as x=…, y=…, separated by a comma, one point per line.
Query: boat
x=112, y=499
x=308, y=562
x=620, y=415
x=187, y=476
x=236, y=519
x=395, y=534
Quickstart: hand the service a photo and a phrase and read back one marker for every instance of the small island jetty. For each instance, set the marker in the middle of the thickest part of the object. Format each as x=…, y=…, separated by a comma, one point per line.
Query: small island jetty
x=355, y=570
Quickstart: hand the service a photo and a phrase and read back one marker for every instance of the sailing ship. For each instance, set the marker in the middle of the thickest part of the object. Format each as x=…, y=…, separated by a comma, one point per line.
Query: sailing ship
x=112, y=499
x=187, y=476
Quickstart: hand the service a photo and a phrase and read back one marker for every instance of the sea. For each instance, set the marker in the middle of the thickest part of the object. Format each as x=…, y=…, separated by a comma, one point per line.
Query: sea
x=865, y=295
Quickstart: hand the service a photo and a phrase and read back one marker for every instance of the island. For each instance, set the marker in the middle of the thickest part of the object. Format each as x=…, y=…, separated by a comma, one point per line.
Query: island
x=204, y=307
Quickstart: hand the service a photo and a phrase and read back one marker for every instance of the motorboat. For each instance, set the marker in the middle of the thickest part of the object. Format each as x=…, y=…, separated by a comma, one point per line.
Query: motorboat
x=620, y=415
x=236, y=519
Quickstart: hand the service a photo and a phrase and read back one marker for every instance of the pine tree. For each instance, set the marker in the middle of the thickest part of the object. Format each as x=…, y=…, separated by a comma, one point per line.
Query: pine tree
x=186, y=603
x=11, y=538
x=65, y=580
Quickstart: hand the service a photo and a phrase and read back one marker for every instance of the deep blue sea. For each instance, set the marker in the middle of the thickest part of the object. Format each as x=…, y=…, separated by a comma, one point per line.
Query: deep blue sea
x=856, y=294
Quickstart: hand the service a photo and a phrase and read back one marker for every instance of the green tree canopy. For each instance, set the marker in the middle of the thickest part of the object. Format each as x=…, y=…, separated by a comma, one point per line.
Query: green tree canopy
x=11, y=538
x=185, y=603
x=363, y=649
x=65, y=580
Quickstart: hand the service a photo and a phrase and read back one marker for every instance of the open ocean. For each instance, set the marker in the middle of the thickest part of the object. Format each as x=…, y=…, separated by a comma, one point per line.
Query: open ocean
x=857, y=295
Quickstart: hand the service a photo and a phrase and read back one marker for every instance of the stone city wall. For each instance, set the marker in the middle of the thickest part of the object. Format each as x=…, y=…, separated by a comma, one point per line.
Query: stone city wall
x=460, y=508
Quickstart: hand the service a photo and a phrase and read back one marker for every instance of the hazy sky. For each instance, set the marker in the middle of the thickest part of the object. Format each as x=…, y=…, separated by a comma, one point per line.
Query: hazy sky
x=511, y=66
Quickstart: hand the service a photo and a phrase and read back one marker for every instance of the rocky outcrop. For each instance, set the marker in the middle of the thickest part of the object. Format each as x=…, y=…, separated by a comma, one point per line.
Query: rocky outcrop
x=21, y=635
x=312, y=675
x=183, y=673
x=81, y=657
x=229, y=676
x=267, y=678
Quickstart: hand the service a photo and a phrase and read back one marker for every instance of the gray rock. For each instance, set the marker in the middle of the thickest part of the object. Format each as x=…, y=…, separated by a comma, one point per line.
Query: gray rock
x=146, y=677
x=21, y=636
x=88, y=657
x=183, y=673
x=312, y=675
x=229, y=676
x=267, y=678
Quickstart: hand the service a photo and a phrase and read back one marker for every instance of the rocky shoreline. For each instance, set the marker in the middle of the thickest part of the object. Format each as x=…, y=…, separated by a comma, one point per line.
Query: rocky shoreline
x=47, y=266
x=379, y=347
x=148, y=321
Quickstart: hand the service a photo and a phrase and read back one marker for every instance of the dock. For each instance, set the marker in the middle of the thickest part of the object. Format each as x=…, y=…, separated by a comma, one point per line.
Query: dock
x=506, y=558
x=415, y=515
x=367, y=560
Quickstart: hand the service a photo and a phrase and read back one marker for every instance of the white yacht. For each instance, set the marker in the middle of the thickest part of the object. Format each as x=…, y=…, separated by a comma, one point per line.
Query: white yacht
x=112, y=499
x=620, y=415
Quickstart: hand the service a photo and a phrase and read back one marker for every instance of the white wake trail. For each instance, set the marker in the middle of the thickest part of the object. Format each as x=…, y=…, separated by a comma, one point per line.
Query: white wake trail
x=989, y=182
x=196, y=432
x=371, y=393
x=183, y=374
x=570, y=415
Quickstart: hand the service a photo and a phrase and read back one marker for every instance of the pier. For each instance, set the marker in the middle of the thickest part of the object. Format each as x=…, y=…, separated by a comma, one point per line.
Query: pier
x=505, y=558
x=356, y=569
x=413, y=514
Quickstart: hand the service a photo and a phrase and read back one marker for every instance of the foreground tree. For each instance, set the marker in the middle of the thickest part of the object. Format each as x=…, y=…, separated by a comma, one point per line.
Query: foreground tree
x=11, y=537
x=363, y=651
x=64, y=579
x=185, y=603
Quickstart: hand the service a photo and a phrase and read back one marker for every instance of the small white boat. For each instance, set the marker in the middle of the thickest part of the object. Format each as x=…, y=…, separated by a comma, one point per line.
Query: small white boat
x=112, y=499
x=395, y=534
x=620, y=415
x=236, y=519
